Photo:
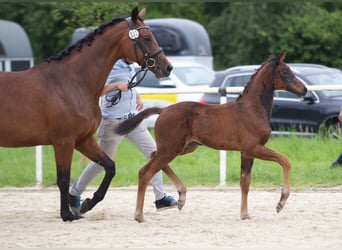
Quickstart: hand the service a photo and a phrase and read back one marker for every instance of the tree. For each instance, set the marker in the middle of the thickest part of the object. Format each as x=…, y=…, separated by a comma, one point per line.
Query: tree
x=314, y=37
x=49, y=25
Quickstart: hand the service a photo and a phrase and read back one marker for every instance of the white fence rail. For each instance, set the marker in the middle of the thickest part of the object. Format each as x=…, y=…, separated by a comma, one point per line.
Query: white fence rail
x=201, y=90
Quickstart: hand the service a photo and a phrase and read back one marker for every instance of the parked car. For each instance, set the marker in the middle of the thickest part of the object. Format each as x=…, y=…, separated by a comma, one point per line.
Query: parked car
x=316, y=111
x=185, y=75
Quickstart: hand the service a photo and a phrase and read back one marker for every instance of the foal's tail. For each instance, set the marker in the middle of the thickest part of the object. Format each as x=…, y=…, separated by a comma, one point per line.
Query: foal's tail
x=128, y=125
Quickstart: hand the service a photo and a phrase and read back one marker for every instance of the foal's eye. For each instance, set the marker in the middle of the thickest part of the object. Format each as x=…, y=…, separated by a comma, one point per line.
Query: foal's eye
x=285, y=72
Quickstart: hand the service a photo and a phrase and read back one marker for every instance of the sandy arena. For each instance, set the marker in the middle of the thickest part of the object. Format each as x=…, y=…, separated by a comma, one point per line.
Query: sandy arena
x=210, y=219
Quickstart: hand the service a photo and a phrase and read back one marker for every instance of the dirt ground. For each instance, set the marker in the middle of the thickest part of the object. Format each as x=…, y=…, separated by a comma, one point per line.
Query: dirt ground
x=29, y=217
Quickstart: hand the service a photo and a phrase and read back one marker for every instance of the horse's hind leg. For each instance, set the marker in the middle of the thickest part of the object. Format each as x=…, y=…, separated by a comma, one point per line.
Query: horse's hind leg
x=145, y=175
x=63, y=156
x=181, y=189
x=245, y=180
x=92, y=150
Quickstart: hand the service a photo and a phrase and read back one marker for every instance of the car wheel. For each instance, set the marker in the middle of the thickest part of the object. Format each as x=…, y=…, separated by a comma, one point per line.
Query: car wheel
x=332, y=130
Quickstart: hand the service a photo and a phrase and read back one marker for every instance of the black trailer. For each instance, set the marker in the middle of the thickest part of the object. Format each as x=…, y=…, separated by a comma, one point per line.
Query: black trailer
x=181, y=39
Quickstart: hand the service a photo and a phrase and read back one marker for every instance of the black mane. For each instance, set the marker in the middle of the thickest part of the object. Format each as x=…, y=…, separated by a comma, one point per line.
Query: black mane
x=87, y=39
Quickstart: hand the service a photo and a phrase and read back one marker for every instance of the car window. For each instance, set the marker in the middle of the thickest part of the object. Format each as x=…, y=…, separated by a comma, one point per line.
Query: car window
x=193, y=76
x=328, y=77
x=236, y=81
x=150, y=81
x=285, y=94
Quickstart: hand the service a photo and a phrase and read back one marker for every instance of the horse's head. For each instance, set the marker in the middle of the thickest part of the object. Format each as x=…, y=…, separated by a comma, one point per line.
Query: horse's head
x=144, y=48
x=284, y=79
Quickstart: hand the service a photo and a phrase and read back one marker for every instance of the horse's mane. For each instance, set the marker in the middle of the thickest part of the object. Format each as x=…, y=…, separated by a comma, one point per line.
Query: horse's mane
x=270, y=60
x=87, y=39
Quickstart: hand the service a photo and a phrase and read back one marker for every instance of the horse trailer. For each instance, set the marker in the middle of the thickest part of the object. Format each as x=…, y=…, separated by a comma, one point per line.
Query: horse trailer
x=15, y=47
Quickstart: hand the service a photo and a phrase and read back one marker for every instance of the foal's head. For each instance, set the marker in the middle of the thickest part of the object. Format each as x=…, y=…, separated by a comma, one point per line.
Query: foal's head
x=284, y=79
x=143, y=47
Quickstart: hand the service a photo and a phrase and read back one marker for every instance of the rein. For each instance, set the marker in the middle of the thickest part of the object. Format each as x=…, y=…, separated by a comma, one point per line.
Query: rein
x=149, y=61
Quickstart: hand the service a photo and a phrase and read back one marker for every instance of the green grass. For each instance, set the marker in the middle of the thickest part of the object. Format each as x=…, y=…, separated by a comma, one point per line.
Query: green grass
x=310, y=159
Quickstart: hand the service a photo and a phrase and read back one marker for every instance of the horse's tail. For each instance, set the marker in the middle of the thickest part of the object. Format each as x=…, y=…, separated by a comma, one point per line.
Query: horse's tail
x=128, y=125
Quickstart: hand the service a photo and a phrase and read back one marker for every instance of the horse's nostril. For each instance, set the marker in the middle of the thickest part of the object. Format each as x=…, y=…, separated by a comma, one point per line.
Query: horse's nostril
x=169, y=69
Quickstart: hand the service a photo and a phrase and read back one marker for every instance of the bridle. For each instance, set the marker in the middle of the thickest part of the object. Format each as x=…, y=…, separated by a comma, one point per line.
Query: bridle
x=149, y=61
x=133, y=34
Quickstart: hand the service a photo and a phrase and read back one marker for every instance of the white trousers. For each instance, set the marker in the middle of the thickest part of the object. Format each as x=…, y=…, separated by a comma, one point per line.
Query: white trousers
x=109, y=142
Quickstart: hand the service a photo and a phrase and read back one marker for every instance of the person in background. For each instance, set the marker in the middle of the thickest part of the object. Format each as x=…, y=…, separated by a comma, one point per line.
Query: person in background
x=338, y=162
x=113, y=113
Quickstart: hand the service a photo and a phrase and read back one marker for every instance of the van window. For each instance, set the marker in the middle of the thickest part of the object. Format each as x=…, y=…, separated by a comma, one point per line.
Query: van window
x=168, y=39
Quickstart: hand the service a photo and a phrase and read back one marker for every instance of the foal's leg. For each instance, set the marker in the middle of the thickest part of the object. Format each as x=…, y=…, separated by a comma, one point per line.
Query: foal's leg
x=245, y=181
x=145, y=176
x=92, y=150
x=63, y=157
x=264, y=153
x=181, y=189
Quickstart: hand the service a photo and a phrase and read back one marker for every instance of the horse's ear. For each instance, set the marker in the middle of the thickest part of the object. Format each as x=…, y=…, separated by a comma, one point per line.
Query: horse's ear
x=134, y=14
x=282, y=55
x=142, y=13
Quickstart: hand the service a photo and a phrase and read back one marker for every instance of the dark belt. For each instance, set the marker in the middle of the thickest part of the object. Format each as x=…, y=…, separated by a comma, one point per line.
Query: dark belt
x=125, y=117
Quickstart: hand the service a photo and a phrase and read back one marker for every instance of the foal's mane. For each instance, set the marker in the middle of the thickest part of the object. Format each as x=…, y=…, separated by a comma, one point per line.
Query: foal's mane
x=272, y=61
x=87, y=39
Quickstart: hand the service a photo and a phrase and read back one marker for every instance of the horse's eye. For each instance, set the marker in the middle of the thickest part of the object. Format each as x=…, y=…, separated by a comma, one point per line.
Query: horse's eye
x=147, y=39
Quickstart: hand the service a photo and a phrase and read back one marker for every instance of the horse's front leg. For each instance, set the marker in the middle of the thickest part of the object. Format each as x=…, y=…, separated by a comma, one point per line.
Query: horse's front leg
x=63, y=157
x=245, y=180
x=264, y=153
x=92, y=150
x=181, y=189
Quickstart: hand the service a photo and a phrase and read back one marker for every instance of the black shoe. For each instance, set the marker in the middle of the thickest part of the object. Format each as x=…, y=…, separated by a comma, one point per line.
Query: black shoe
x=167, y=202
x=336, y=164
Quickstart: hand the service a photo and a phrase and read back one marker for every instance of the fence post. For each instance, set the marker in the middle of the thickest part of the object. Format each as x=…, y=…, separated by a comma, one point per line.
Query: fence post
x=223, y=153
x=39, y=166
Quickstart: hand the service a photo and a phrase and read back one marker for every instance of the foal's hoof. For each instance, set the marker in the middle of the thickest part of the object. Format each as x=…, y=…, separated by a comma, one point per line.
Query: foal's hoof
x=279, y=207
x=139, y=218
x=180, y=204
x=85, y=206
x=245, y=217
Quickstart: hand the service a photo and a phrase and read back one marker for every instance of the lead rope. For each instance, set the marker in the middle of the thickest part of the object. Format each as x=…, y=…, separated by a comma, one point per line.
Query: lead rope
x=115, y=99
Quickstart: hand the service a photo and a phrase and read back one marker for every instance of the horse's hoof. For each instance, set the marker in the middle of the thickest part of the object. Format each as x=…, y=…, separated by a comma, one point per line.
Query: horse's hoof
x=139, y=217
x=245, y=217
x=279, y=207
x=180, y=204
x=85, y=206
x=70, y=217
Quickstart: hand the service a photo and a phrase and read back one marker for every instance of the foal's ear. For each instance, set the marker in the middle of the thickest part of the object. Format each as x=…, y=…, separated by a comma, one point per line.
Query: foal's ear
x=282, y=55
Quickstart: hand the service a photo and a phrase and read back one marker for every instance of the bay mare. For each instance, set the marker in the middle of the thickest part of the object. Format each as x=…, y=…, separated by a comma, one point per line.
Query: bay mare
x=56, y=102
x=242, y=126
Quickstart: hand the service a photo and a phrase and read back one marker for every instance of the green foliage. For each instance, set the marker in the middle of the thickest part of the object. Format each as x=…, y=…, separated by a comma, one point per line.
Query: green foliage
x=313, y=37
x=240, y=32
